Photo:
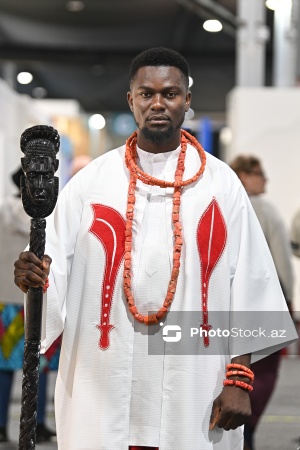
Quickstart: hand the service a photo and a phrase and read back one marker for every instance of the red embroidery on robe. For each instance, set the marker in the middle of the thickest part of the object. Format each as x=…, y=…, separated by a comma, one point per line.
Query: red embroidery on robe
x=109, y=227
x=211, y=240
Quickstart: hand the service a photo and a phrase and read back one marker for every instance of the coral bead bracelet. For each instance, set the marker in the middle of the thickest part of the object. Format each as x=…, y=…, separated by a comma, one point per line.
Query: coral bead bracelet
x=241, y=371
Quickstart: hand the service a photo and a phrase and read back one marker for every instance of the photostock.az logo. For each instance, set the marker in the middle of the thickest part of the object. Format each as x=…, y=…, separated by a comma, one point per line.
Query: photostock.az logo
x=169, y=328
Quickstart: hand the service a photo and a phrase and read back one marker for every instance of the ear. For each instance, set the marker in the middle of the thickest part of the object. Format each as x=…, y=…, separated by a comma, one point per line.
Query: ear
x=130, y=101
x=188, y=100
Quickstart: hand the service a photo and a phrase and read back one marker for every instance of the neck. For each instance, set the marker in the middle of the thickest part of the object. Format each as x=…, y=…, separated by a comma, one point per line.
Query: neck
x=160, y=147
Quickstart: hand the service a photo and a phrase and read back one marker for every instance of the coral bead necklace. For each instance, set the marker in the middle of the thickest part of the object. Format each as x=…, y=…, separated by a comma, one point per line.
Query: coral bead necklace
x=177, y=184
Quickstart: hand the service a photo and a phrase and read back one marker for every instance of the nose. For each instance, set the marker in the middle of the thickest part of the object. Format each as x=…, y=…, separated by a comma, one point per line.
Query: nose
x=157, y=103
x=40, y=181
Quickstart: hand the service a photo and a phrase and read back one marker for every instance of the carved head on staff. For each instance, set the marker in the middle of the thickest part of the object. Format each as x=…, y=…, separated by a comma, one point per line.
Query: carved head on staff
x=39, y=187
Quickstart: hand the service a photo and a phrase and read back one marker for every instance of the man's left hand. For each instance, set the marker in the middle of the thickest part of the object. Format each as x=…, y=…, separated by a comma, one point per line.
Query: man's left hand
x=230, y=409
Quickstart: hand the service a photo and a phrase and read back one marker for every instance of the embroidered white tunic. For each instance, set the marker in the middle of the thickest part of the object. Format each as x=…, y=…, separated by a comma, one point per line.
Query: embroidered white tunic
x=110, y=392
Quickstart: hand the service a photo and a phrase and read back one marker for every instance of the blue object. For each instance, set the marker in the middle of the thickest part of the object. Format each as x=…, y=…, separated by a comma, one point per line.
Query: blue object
x=205, y=134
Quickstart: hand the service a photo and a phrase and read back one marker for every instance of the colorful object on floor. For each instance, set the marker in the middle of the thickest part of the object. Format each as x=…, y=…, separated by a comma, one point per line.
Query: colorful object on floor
x=11, y=336
x=12, y=341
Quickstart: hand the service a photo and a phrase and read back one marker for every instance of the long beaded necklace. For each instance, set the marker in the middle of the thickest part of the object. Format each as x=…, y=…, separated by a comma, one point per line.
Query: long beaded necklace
x=178, y=184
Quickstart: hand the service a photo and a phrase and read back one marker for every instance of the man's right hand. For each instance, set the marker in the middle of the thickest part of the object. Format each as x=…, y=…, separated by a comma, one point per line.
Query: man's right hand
x=30, y=271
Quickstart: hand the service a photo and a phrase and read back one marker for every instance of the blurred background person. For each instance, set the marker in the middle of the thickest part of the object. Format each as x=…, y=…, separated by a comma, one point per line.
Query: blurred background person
x=78, y=163
x=14, y=234
x=250, y=171
x=295, y=234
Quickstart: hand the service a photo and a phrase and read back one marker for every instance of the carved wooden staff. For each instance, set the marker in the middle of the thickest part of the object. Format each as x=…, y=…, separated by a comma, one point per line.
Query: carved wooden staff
x=39, y=190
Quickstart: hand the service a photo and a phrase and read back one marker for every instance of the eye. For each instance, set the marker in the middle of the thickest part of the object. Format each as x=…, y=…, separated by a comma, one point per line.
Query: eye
x=145, y=94
x=171, y=94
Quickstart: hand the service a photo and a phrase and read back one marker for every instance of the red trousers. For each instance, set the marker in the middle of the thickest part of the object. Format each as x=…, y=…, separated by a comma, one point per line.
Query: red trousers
x=142, y=448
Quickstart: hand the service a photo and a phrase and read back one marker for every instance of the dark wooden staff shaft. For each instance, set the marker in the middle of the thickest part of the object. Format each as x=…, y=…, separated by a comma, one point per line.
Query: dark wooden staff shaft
x=33, y=326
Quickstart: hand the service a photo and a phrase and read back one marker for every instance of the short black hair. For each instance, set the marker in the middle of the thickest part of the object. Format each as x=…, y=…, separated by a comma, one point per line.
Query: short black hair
x=160, y=56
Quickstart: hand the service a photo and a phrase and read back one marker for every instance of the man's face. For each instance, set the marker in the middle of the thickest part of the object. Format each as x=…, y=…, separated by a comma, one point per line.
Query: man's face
x=158, y=100
x=255, y=181
x=40, y=183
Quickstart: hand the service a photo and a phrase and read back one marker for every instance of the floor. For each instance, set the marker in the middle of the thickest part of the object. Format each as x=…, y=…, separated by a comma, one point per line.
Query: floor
x=279, y=428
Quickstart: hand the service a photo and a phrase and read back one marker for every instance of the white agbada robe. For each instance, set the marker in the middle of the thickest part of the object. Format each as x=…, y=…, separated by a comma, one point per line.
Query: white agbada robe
x=108, y=399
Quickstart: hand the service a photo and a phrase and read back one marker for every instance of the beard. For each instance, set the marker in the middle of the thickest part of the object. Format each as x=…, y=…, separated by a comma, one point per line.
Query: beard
x=158, y=136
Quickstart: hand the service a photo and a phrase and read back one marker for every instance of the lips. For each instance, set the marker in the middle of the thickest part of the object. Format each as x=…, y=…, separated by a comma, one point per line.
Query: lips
x=158, y=119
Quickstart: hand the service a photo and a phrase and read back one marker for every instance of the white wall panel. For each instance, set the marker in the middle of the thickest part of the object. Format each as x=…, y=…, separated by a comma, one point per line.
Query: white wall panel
x=266, y=122
x=17, y=112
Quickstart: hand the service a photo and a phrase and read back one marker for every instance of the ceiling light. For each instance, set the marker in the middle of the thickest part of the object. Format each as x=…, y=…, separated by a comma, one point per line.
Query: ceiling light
x=191, y=82
x=97, y=121
x=75, y=5
x=24, y=77
x=213, y=26
x=225, y=136
x=274, y=4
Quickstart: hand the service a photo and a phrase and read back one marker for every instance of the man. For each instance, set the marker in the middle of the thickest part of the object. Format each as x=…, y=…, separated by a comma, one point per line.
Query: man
x=111, y=393
x=250, y=171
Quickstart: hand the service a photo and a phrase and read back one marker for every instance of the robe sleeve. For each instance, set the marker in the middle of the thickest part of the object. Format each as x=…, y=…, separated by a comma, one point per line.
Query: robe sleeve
x=258, y=306
x=61, y=234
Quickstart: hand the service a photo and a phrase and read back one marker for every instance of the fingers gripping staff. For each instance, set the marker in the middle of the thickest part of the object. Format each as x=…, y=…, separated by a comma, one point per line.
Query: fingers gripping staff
x=39, y=190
